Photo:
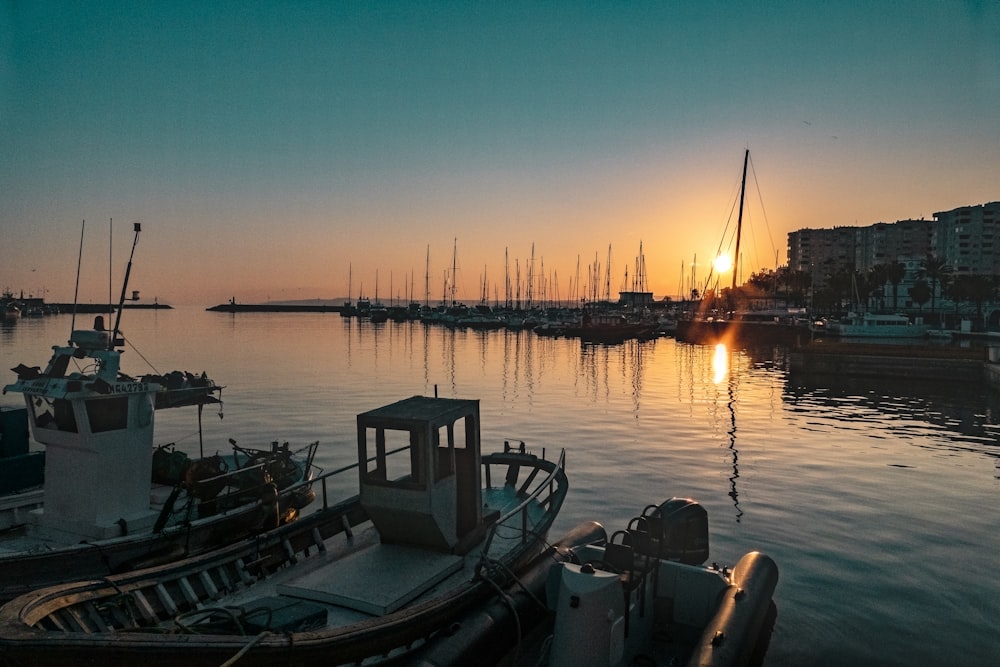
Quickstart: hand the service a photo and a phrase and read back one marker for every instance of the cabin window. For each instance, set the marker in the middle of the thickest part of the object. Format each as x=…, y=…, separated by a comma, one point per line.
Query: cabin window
x=107, y=414
x=59, y=366
x=444, y=452
x=394, y=457
x=56, y=414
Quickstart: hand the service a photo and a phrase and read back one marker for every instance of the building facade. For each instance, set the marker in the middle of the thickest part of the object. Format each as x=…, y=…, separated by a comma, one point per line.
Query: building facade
x=968, y=239
x=820, y=253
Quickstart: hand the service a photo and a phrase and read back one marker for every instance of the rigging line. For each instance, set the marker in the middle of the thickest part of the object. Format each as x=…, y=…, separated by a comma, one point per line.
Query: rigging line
x=760, y=198
x=726, y=233
x=141, y=356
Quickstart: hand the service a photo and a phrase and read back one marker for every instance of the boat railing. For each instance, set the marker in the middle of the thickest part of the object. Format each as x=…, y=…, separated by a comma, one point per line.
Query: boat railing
x=517, y=518
x=324, y=480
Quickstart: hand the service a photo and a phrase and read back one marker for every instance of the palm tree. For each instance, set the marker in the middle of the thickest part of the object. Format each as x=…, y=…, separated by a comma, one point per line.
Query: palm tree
x=877, y=277
x=797, y=283
x=895, y=272
x=936, y=270
x=974, y=288
x=841, y=283
x=920, y=293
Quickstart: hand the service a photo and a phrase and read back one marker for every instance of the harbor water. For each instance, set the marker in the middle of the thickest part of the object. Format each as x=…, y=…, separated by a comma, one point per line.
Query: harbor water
x=878, y=499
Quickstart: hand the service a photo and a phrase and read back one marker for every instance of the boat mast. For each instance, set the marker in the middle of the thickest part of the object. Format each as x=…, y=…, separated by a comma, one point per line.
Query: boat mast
x=454, y=269
x=607, y=278
x=427, y=278
x=739, y=219
x=76, y=289
x=530, y=289
x=506, y=272
x=576, y=284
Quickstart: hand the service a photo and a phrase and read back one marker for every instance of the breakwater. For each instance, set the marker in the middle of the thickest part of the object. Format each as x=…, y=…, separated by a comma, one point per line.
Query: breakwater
x=273, y=308
x=939, y=363
x=104, y=308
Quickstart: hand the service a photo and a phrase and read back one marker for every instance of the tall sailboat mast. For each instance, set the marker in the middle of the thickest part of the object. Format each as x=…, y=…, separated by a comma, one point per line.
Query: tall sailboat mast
x=427, y=278
x=454, y=270
x=739, y=218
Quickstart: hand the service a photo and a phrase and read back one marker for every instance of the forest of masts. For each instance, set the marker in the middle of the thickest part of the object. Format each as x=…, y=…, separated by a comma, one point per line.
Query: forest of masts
x=530, y=288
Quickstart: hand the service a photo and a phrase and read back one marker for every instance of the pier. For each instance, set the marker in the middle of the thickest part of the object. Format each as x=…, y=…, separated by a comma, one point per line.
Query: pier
x=923, y=362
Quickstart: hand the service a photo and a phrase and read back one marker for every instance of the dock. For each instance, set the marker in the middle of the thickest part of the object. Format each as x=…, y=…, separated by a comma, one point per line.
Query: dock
x=916, y=362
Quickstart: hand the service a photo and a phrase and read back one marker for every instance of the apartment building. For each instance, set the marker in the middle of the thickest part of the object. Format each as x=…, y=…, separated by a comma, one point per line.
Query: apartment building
x=968, y=239
x=822, y=252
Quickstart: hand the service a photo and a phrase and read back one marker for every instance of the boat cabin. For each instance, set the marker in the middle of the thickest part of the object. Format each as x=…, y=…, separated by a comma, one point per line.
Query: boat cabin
x=97, y=428
x=420, y=472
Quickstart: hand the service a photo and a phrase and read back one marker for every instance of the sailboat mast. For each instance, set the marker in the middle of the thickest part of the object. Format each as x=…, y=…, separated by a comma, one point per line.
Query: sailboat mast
x=76, y=288
x=454, y=270
x=427, y=278
x=506, y=272
x=739, y=219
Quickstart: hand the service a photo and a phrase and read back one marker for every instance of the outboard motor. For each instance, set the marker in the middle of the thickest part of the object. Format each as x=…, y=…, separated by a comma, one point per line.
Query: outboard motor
x=676, y=530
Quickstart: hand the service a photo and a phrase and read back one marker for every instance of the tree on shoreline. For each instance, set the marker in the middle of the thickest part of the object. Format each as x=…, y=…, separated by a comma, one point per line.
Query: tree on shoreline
x=895, y=272
x=920, y=293
x=936, y=270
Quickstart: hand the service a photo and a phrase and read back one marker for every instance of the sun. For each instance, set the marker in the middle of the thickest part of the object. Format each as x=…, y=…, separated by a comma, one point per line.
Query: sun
x=722, y=263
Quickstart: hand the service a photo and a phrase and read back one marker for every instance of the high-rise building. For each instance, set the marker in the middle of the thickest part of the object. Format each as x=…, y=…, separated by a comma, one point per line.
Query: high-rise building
x=901, y=241
x=968, y=239
x=821, y=253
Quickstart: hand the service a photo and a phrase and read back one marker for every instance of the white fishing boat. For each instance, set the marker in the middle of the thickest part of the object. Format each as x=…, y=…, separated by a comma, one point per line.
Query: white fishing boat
x=111, y=500
x=437, y=536
x=872, y=325
x=21, y=469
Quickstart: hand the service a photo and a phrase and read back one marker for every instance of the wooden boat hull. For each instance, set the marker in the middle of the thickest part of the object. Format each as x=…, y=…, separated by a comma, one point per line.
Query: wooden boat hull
x=69, y=624
x=23, y=572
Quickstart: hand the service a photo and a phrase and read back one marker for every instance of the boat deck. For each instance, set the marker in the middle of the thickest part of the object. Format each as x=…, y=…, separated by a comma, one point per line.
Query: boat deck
x=355, y=578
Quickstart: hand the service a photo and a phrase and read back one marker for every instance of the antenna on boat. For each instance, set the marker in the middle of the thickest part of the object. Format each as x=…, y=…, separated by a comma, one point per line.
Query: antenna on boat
x=121, y=302
x=76, y=289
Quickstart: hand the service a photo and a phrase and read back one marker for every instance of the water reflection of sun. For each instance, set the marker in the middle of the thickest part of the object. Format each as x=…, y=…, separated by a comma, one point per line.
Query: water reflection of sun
x=720, y=363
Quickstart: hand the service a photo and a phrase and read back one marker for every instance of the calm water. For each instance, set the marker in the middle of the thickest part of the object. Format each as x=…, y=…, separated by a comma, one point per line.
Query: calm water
x=877, y=500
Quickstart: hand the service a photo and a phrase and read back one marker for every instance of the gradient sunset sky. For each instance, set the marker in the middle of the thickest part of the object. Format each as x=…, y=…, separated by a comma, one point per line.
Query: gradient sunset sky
x=269, y=149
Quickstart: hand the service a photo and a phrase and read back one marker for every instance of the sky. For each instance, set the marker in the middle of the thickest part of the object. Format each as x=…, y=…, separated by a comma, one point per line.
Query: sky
x=298, y=150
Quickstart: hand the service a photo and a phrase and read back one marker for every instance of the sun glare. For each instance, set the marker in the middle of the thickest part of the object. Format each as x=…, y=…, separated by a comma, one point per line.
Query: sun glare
x=723, y=263
x=720, y=363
